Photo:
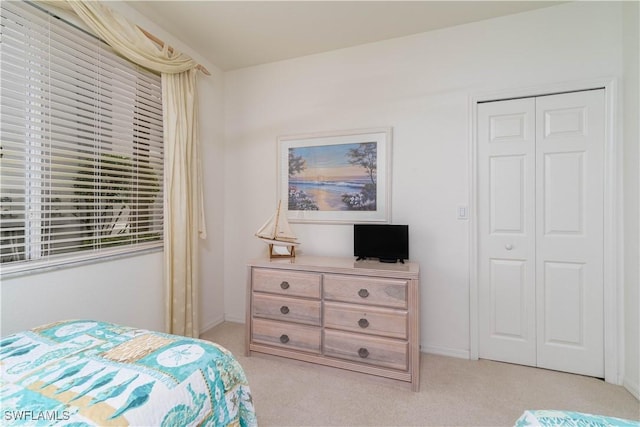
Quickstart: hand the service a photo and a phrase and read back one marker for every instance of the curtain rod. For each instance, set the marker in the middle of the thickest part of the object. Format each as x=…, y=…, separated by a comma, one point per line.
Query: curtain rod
x=159, y=42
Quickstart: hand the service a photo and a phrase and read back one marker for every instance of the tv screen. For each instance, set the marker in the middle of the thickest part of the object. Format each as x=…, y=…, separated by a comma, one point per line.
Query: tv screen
x=388, y=243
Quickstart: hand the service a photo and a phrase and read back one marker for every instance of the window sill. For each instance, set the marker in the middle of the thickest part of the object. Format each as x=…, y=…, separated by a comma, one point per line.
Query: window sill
x=76, y=260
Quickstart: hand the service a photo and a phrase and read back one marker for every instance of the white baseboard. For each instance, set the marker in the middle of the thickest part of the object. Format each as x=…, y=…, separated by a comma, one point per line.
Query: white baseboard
x=445, y=351
x=235, y=319
x=218, y=320
x=211, y=324
x=632, y=387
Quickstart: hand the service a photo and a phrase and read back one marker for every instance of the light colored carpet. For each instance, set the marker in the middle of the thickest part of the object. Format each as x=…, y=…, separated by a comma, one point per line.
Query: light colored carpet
x=453, y=392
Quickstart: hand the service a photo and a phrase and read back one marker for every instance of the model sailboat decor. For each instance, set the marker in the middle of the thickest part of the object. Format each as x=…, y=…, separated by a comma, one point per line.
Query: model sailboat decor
x=277, y=233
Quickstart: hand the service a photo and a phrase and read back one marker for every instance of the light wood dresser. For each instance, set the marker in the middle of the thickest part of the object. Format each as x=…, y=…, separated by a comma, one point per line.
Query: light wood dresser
x=358, y=315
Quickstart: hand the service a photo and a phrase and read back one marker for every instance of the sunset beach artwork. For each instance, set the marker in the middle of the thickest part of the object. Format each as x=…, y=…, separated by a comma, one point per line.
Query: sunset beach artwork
x=335, y=177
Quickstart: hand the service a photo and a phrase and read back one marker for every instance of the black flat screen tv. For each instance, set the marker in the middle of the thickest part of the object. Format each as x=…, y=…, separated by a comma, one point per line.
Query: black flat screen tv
x=387, y=242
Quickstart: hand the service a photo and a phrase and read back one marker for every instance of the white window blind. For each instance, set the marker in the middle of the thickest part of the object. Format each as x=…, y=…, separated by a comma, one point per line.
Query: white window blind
x=81, y=145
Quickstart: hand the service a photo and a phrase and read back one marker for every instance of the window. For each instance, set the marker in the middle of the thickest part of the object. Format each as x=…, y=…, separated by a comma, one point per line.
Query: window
x=81, y=160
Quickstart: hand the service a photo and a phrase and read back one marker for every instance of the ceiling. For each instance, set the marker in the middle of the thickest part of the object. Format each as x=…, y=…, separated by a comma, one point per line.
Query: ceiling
x=237, y=34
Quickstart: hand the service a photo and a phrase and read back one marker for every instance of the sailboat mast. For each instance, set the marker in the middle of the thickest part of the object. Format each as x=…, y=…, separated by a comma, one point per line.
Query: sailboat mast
x=275, y=229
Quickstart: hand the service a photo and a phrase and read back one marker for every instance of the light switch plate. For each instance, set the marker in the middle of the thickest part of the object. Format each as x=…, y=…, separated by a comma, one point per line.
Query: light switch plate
x=463, y=212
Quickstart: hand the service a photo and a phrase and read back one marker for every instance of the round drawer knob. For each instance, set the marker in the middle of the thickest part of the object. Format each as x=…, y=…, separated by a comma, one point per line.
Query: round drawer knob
x=363, y=293
x=284, y=338
x=363, y=352
x=363, y=323
x=284, y=309
x=284, y=285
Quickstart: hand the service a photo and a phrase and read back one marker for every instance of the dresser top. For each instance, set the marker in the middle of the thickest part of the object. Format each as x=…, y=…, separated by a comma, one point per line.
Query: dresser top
x=343, y=265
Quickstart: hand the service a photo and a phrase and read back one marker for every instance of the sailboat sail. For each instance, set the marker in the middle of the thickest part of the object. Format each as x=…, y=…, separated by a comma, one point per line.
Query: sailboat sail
x=277, y=229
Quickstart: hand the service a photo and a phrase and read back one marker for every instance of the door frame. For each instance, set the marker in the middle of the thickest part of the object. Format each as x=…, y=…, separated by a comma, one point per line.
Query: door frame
x=612, y=299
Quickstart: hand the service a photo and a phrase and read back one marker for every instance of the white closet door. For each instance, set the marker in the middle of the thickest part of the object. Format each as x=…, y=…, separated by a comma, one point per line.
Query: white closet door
x=540, y=221
x=569, y=232
x=506, y=218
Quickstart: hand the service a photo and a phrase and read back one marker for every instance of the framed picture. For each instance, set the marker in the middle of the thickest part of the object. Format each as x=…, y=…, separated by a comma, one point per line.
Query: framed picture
x=340, y=177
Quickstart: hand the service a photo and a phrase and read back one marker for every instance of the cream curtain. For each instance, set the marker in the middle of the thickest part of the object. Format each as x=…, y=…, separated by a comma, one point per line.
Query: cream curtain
x=184, y=215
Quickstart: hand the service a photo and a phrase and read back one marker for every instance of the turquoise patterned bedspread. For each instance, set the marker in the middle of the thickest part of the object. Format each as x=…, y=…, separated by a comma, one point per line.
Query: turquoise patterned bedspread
x=551, y=418
x=84, y=373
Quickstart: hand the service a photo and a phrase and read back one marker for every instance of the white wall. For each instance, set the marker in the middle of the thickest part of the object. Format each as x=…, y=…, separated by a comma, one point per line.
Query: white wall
x=631, y=191
x=421, y=86
x=126, y=291
x=212, y=249
x=131, y=291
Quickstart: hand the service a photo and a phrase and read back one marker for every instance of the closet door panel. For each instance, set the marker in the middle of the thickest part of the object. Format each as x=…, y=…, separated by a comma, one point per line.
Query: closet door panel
x=564, y=210
x=569, y=236
x=506, y=222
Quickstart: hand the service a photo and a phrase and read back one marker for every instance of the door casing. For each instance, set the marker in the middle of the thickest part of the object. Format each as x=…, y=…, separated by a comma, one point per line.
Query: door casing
x=613, y=304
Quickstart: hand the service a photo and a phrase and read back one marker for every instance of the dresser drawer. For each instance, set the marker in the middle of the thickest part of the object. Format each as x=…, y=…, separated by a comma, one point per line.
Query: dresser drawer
x=287, y=309
x=286, y=335
x=383, y=352
x=366, y=290
x=287, y=283
x=366, y=319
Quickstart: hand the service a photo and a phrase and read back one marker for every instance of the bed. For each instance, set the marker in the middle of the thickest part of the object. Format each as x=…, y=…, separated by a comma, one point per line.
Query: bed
x=553, y=418
x=85, y=373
